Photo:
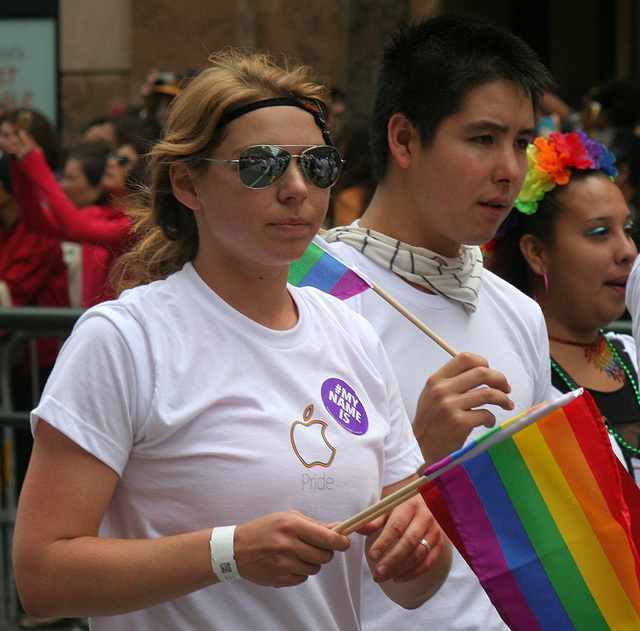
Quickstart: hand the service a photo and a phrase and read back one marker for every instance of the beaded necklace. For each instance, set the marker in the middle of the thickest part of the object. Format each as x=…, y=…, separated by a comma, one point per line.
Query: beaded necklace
x=621, y=441
x=601, y=353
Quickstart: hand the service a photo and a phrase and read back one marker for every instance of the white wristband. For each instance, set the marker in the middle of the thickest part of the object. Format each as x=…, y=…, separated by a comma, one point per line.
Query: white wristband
x=222, y=561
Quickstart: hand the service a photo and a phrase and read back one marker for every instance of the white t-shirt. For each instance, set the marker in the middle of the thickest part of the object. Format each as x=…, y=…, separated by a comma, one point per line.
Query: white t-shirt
x=507, y=329
x=211, y=419
x=630, y=347
x=632, y=297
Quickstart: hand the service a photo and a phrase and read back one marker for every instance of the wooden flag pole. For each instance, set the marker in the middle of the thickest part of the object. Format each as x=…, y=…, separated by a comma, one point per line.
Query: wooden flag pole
x=299, y=279
x=380, y=508
x=421, y=325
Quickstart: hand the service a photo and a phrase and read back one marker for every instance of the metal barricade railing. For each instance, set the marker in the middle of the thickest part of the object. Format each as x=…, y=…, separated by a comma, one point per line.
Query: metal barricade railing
x=22, y=325
x=19, y=326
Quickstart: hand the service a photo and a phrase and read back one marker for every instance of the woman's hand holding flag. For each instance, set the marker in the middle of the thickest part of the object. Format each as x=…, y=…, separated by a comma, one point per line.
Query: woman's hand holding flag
x=407, y=570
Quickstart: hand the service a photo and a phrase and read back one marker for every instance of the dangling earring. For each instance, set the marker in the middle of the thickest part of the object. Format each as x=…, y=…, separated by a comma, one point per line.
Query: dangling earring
x=546, y=289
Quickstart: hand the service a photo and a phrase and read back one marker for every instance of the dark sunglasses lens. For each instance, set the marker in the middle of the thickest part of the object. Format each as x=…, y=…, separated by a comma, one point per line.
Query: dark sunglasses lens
x=322, y=165
x=120, y=160
x=263, y=165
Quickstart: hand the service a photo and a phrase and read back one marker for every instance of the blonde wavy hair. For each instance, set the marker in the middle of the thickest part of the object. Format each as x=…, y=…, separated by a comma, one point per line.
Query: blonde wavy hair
x=165, y=231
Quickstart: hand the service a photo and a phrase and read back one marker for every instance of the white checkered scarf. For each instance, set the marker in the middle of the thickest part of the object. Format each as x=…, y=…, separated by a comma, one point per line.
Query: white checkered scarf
x=456, y=279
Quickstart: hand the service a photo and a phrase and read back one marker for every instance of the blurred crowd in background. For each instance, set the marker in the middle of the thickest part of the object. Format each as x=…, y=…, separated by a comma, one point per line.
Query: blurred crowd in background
x=63, y=210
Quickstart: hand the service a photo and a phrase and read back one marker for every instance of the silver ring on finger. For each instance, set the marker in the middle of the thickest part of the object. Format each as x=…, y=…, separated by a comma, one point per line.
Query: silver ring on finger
x=425, y=543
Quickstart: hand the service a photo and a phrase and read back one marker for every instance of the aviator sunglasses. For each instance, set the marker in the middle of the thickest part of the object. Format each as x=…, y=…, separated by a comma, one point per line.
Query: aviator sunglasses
x=121, y=160
x=261, y=166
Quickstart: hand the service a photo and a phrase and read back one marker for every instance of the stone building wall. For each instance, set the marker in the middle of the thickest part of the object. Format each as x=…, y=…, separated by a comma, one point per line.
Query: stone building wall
x=95, y=60
x=109, y=46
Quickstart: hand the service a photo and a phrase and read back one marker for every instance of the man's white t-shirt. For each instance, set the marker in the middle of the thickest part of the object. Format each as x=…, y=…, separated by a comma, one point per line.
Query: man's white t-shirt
x=632, y=298
x=508, y=330
x=211, y=419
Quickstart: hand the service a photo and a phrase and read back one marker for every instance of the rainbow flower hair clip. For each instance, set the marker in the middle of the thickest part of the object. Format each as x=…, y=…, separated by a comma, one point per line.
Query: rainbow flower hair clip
x=550, y=163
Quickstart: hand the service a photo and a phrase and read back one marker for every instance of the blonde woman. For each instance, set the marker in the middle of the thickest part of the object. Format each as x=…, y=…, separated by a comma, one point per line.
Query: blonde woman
x=194, y=442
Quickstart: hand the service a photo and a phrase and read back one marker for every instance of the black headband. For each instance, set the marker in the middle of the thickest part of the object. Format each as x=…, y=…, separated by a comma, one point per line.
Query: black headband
x=309, y=105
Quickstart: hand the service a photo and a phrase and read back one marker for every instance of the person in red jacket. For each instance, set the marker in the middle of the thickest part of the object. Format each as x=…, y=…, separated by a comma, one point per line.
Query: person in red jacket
x=104, y=229
x=32, y=273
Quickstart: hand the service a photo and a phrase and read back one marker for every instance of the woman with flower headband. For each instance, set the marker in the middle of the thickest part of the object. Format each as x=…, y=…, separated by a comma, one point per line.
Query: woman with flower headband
x=200, y=434
x=568, y=244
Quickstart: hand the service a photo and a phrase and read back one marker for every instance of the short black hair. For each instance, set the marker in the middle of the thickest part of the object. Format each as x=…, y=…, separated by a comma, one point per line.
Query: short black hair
x=429, y=67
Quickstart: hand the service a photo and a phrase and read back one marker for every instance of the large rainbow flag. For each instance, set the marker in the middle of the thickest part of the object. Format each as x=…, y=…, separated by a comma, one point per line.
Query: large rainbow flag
x=548, y=519
x=318, y=268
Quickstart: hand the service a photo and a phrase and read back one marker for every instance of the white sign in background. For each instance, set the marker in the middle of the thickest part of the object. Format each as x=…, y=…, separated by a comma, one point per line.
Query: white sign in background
x=29, y=66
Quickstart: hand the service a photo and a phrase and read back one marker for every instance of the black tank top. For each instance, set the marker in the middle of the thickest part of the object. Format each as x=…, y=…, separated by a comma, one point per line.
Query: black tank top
x=620, y=408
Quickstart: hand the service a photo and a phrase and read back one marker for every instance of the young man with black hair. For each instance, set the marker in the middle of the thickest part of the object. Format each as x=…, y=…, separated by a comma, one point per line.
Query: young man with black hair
x=453, y=113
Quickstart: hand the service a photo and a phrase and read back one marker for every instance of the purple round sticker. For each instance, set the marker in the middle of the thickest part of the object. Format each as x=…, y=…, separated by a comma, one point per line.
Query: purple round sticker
x=343, y=404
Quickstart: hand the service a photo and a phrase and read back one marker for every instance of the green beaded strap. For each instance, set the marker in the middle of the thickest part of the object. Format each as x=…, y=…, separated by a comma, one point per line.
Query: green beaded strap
x=621, y=441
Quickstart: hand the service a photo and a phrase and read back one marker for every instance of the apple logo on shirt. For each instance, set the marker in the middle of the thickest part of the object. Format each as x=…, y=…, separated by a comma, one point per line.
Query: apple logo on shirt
x=310, y=443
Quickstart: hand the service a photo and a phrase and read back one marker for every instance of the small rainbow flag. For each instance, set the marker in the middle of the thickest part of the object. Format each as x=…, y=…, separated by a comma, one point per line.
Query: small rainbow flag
x=546, y=518
x=317, y=268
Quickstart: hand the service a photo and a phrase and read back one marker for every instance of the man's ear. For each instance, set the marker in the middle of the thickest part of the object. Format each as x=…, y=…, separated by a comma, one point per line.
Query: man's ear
x=400, y=133
x=183, y=185
x=534, y=254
